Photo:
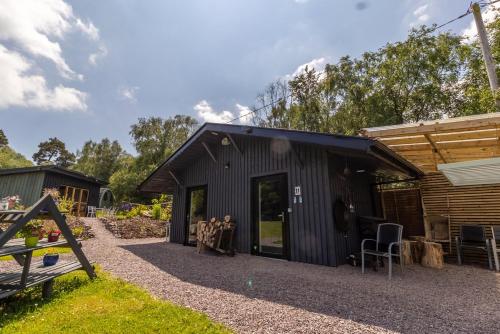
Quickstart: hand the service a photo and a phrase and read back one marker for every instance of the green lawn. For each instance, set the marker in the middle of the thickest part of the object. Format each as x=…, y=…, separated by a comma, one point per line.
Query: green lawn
x=271, y=230
x=42, y=252
x=106, y=305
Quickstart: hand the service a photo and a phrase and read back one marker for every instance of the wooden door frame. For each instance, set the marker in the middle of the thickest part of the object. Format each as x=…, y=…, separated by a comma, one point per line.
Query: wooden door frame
x=254, y=232
x=187, y=209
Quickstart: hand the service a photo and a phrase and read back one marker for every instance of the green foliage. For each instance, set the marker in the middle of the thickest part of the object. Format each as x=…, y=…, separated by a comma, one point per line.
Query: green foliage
x=53, y=151
x=161, y=208
x=100, y=160
x=156, y=211
x=155, y=139
x=104, y=305
x=32, y=228
x=422, y=78
x=3, y=139
x=11, y=159
x=137, y=211
x=124, y=182
x=77, y=231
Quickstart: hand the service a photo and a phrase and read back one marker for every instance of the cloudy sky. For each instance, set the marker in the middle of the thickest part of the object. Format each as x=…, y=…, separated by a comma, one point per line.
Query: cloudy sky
x=83, y=70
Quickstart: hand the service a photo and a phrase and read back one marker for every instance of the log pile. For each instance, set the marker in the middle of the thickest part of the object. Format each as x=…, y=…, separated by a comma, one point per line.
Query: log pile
x=418, y=251
x=216, y=234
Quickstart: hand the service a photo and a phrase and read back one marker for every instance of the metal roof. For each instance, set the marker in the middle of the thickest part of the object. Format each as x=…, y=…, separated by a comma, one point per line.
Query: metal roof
x=193, y=148
x=52, y=169
x=470, y=173
x=431, y=143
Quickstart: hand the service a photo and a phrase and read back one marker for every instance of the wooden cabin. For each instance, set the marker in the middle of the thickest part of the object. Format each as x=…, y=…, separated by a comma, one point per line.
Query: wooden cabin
x=281, y=187
x=29, y=183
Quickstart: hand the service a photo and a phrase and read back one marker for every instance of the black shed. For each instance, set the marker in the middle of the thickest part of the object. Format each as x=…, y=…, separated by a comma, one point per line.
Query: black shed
x=283, y=188
x=29, y=183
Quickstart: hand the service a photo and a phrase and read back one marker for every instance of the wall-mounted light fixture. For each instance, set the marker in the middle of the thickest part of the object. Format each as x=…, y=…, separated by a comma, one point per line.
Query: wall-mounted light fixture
x=226, y=166
x=225, y=141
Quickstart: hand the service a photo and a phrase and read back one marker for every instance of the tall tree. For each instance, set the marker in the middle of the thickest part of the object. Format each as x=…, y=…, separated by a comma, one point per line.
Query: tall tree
x=11, y=159
x=99, y=160
x=3, y=139
x=53, y=151
x=155, y=138
x=272, y=106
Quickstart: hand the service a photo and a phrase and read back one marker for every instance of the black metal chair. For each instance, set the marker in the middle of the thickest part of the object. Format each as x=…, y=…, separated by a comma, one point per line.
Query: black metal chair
x=472, y=237
x=495, y=237
x=388, y=236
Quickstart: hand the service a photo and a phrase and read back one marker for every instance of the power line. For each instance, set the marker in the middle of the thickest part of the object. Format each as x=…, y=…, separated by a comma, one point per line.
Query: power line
x=430, y=31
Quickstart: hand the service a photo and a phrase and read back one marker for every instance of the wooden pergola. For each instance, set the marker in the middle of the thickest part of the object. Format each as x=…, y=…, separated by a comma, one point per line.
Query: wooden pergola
x=428, y=144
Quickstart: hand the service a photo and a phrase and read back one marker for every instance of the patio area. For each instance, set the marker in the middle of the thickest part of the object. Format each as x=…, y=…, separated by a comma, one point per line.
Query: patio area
x=255, y=294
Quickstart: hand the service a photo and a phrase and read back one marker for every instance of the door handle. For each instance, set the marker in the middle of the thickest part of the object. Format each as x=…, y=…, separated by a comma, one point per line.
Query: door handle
x=282, y=216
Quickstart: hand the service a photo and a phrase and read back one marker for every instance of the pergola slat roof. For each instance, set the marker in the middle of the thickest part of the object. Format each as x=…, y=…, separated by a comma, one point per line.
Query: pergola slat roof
x=427, y=144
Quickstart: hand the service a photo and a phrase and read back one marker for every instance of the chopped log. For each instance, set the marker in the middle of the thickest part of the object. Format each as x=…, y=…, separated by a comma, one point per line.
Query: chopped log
x=433, y=256
x=417, y=249
x=227, y=218
x=407, y=259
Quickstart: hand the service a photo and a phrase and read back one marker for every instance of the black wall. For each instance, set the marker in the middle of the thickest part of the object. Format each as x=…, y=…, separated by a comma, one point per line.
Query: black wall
x=353, y=188
x=55, y=180
x=312, y=234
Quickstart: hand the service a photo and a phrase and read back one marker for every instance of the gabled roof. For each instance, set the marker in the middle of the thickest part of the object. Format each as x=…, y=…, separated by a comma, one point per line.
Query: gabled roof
x=52, y=169
x=356, y=144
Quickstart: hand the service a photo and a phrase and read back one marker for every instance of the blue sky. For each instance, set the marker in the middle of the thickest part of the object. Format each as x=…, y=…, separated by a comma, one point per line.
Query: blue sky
x=83, y=70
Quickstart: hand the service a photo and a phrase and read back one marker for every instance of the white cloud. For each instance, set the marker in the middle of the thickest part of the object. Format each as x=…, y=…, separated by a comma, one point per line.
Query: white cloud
x=207, y=114
x=318, y=64
x=31, y=30
x=20, y=89
x=244, y=113
x=95, y=57
x=128, y=93
x=88, y=28
x=420, y=15
x=488, y=14
x=34, y=24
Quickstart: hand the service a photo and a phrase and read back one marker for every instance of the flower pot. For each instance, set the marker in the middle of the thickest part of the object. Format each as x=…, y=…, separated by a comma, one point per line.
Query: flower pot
x=31, y=241
x=50, y=259
x=53, y=236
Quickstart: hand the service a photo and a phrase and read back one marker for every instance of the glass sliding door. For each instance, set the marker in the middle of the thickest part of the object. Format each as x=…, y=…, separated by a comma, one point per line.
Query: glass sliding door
x=196, y=211
x=270, y=205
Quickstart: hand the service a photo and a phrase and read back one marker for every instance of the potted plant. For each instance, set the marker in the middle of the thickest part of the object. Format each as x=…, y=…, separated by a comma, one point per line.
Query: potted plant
x=31, y=232
x=50, y=259
x=53, y=235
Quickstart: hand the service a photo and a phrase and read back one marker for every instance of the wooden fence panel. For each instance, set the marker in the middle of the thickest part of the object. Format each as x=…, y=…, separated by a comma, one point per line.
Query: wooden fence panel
x=475, y=205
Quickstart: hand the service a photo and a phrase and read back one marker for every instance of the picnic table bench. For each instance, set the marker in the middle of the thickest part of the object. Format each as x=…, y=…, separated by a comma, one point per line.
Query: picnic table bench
x=31, y=274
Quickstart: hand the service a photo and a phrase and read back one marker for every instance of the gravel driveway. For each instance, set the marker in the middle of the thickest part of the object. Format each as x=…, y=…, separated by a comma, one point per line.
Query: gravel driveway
x=258, y=295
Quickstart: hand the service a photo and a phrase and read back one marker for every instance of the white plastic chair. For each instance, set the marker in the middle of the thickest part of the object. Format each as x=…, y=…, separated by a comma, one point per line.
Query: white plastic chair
x=91, y=211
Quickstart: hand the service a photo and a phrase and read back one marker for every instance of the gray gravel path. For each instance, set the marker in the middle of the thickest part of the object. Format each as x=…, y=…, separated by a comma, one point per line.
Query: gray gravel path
x=258, y=295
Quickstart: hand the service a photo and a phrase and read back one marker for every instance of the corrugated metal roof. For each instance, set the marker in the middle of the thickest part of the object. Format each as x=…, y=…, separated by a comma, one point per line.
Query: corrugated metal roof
x=475, y=172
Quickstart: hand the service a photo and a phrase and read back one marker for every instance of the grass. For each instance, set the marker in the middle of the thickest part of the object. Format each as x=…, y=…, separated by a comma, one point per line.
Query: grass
x=42, y=252
x=271, y=230
x=106, y=305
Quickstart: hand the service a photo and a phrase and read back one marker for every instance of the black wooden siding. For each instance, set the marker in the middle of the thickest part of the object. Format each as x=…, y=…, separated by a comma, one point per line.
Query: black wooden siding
x=356, y=189
x=55, y=180
x=313, y=238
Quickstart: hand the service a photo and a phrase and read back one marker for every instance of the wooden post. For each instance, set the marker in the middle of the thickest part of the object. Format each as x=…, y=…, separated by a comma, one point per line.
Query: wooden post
x=485, y=48
x=47, y=288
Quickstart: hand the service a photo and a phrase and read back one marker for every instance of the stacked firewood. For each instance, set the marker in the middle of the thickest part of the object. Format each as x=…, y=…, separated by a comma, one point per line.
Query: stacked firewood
x=210, y=233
